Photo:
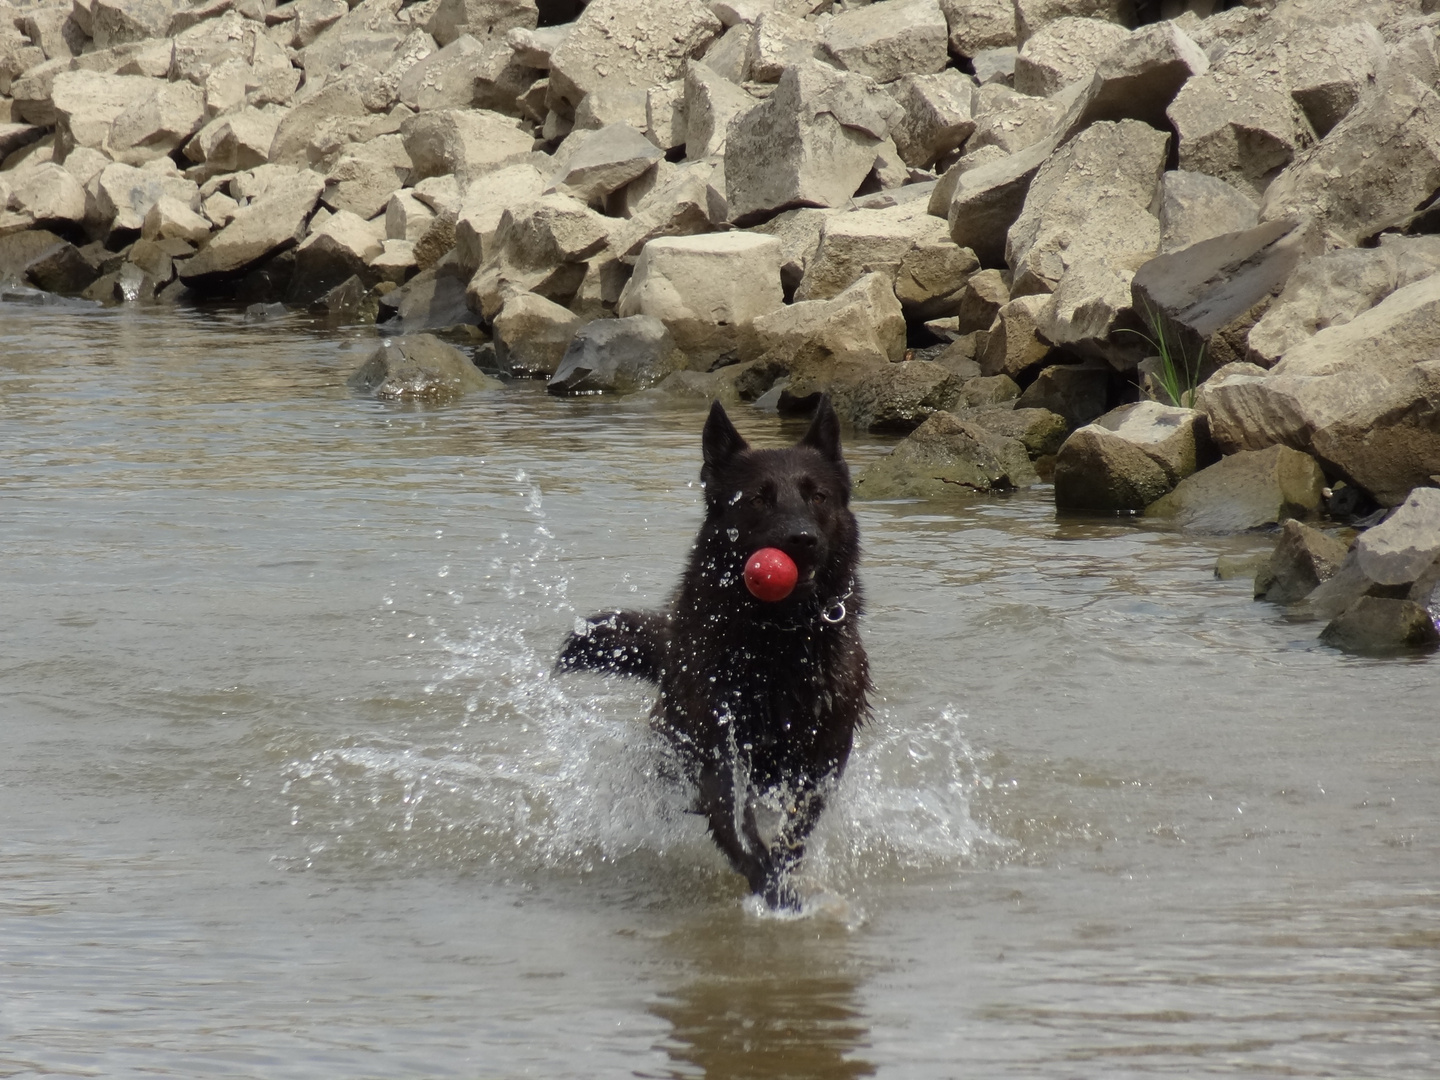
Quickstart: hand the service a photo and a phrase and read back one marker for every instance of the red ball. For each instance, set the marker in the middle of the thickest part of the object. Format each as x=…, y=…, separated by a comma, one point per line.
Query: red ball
x=770, y=575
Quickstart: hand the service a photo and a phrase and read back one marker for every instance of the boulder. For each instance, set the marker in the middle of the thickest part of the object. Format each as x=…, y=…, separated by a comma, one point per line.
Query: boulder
x=930, y=282
x=988, y=391
x=629, y=43
x=1196, y=207
x=1130, y=457
x=988, y=199
x=1337, y=286
x=604, y=161
x=706, y=290
x=1373, y=171
x=363, y=181
x=865, y=241
x=532, y=334
x=124, y=194
x=540, y=246
x=1358, y=396
x=617, y=356
x=1303, y=558
x=1375, y=624
x=780, y=40
x=434, y=299
x=115, y=22
x=236, y=141
x=48, y=195
x=171, y=219
x=336, y=101
x=61, y=268
x=1207, y=296
x=483, y=205
x=1092, y=197
x=463, y=142
x=891, y=399
x=1040, y=431
x=978, y=25
x=450, y=20
x=1012, y=347
x=128, y=117
x=1078, y=392
x=1064, y=51
x=678, y=205
x=1248, y=490
x=665, y=121
x=444, y=79
x=1009, y=121
x=711, y=102
x=945, y=457
x=1031, y=15
x=727, y=55
x=935, y=116
x=864, y=324
x=419, y=367
x=1244, y=129
x=985, y=293
x=270, y=224
x=1140, y=77
x=886, y=41
x=1406, y=544
x=811, y=143
x=341, y=248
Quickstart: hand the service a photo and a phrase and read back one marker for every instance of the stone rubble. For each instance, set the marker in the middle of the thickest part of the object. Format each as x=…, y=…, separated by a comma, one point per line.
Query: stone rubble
x=945, y=213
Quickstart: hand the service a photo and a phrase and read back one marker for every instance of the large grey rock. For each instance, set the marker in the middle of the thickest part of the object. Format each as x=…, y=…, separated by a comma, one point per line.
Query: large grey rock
x=985, y=293
x=1063, y=52
x=445, y=79
x=711, y=102
x=485, y=202
x=363, y=180
x=1130, y=457
x=61, y=268
x=1248, y=490
x=864, y=324
x=1374, y=169
x=1303, y=558
x=946, y=457
x=1009, y=121
x=935, y=116
x=678, y=205
x=463, y=142
x=811, y=143
x=779, y=40
x=1141, y=76
x=1040, y=431
x=1078, y=392
x=1207, y=296
x=128, y=117
x=988, y=199
x=1094, y=196
x=124, y=194
x=1337, y=286
x=48, y=194
x=540, y=246
x=617, y=356
x=1013, y=347
x=338, y=100
x=115, y=22
x=706, y=290
x=865, y=241
x=886, y=41
x=1379, y=624
x=604, y=161
x=1243, y=128
x=1406, y=544
x=269, y=225
x=1360, y=396
x=419, y=367
x=481, y=19
x=630, y=43
x=1195, y=207
x=890, y=399
x=1031, y=15
x=236, y=141
x=532, y=334
x=342, y=248
x=977, y=25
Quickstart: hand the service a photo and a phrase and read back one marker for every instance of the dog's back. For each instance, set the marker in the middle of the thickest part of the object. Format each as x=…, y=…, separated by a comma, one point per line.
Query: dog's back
x=761, y=699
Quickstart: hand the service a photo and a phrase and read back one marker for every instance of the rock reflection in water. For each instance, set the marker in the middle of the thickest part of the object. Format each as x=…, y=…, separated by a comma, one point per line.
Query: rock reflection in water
x=766, y=998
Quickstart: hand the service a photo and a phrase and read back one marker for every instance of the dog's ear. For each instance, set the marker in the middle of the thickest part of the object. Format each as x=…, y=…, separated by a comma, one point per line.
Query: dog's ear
x=824, y=433
x=720, y=441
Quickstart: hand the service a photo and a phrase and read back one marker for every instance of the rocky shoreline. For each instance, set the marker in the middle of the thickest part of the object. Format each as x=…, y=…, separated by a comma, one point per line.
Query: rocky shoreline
x=1177, y=255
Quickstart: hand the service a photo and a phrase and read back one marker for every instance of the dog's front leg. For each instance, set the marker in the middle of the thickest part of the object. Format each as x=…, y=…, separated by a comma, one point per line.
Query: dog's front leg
x=717, y=802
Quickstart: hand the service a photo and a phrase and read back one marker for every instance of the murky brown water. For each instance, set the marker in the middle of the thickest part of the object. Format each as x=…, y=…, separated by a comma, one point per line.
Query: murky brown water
x=287, y=789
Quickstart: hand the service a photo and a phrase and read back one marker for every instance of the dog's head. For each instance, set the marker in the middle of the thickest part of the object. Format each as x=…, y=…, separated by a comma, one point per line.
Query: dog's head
x=796, y=499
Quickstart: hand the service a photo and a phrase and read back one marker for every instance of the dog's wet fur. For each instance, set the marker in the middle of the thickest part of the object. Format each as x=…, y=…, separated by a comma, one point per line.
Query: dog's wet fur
x=760, y=700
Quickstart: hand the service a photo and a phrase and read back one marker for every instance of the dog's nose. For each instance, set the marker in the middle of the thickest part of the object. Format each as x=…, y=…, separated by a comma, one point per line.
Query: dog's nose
x=803, y=540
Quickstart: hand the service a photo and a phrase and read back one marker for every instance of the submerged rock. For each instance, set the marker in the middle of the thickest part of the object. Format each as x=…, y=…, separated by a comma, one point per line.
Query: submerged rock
x=1302, y=559
x=419, y=367
x=944, y=457
x=617, y=356
x=1248, y=490
x=1380, y=624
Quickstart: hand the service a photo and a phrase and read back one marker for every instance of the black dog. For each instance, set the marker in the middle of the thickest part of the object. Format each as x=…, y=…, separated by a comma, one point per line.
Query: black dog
x=761, y=700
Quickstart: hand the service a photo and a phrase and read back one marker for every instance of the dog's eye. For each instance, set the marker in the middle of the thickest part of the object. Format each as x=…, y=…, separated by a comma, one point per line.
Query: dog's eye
x=817, y=497
x=757, y=500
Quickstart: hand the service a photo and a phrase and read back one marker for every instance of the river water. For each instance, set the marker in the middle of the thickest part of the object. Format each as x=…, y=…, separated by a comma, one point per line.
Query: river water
x=288, y=790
